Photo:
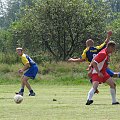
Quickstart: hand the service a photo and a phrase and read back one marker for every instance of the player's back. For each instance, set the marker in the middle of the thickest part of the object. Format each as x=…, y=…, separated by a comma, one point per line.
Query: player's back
x=91, y=53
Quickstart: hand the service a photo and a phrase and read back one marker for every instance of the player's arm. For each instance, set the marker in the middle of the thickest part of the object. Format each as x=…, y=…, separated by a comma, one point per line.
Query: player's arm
x=98, y=59
x=109, y=34
x=76, y=60
x=82, y=58
x=94, y=64
x=103, y=45
x=26, y=64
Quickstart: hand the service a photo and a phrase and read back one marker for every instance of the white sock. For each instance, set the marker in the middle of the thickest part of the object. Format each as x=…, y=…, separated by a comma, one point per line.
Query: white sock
x=113, y=95
x=91, y=93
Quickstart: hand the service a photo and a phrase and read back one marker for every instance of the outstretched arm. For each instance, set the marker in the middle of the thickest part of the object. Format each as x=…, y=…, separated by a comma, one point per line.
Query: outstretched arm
x=76, y=60
x=24, y=68
x=109, y=34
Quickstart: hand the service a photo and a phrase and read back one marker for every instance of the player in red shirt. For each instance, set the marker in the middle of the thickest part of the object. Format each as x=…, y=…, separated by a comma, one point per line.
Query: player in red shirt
x=99, y=74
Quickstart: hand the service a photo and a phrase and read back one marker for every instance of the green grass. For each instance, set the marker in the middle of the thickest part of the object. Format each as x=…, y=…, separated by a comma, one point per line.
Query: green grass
x=70, y=104
x=61, y=73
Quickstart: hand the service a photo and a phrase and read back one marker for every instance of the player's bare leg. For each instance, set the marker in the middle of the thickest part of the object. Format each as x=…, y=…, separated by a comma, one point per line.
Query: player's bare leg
x=22, y=87
x=25, y=81
x=90, y=76
x=116, y=74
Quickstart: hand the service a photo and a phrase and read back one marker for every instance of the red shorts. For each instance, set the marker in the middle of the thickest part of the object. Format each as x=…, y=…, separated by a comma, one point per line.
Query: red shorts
x=90, y=74
x=95, y=77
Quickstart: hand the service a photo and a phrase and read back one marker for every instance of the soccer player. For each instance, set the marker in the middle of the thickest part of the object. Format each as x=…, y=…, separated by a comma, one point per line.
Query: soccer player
x=100, y=75
x=91, y=51
x=30, y=70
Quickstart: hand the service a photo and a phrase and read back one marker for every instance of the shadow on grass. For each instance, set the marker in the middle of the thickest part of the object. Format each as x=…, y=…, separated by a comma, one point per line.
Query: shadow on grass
x=5, y=98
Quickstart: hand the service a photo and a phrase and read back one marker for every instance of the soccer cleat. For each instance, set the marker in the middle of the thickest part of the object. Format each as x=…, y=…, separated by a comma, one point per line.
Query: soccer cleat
x=20, y=93
x=90, y=80
x=116, y=103
x=89, y=102
x=97, y=91
x=119, y=74
x=32, y=94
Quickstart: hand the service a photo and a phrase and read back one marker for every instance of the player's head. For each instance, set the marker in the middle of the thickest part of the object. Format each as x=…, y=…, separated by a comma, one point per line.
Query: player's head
x=89, y=43
x=111, y=46
x=19, y=51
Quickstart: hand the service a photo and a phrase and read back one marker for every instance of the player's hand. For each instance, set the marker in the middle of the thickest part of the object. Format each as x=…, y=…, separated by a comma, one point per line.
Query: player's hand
x=20, y=71
x=109, y=33
x=89, y=68
x=100, y=74
x=70, y=60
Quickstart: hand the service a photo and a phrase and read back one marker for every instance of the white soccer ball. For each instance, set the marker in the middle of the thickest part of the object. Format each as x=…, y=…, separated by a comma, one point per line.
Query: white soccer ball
x=18, y=98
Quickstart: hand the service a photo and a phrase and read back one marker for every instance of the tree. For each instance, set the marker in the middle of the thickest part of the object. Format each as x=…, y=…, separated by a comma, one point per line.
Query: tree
x=115, y=5
x=60, y=27
x=115, y=26
x=2, y=14
x=11, y=11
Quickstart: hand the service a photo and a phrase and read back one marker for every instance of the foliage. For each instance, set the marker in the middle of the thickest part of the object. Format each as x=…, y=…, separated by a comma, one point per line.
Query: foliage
x=5, y=41
x=55, y=29
x=60, y=27
x=115, y=26
x=55, y=72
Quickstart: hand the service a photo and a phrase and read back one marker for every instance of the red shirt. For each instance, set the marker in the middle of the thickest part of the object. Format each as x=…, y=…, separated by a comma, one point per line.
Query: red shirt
x=102, y=61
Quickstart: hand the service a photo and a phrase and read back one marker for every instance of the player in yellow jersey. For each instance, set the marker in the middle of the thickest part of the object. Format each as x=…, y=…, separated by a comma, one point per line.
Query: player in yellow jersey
x=90, y=51
x=30, y=70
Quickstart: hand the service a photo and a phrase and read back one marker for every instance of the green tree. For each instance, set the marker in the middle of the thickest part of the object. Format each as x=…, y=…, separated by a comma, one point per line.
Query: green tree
x=115, y=26
x=60, y=27
x=115, y=5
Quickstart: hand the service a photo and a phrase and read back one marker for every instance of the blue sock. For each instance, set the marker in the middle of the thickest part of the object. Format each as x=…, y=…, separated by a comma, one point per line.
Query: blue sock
x=31, y=91
x=22, y=90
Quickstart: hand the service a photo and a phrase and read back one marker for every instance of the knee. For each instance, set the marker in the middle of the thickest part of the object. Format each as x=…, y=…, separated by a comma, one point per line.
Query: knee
x=113, y=85
x=24, y=79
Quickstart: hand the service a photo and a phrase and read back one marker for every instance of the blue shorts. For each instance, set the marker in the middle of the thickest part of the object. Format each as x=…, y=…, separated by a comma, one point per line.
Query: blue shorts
x=110, y=72
x=32, y=71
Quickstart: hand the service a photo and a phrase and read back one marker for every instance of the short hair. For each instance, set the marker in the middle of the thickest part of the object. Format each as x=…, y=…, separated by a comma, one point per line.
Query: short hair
x=19, y=48
x=111, y=43
x=89, y=43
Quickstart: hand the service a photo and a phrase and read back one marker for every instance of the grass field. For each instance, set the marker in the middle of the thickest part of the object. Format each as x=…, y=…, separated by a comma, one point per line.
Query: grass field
x=70, y=104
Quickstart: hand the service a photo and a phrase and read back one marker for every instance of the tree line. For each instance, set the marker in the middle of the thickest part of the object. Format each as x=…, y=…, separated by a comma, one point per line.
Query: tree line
x=56, y=29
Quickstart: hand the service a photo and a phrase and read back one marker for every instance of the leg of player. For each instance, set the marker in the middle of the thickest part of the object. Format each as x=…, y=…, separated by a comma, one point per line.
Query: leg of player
x=21, y=92
x=90, y=76
x=112, y=85
x=91, y=92
x=25, y=80
x=116, y=74
x=113, y=74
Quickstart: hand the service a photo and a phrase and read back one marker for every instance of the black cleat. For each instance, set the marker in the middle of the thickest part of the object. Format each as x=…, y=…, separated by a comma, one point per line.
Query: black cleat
x=89, y=102
x=20, y=93
x=116, y=103
x=32, y=94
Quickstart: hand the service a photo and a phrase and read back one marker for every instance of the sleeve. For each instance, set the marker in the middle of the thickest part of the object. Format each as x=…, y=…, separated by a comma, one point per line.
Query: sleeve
x=99, y=57
x=83, y=56
x=101, y=46
x=24, y=59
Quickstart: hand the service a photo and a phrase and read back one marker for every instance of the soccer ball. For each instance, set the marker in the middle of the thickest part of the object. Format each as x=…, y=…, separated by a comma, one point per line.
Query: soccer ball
x=18, y=98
